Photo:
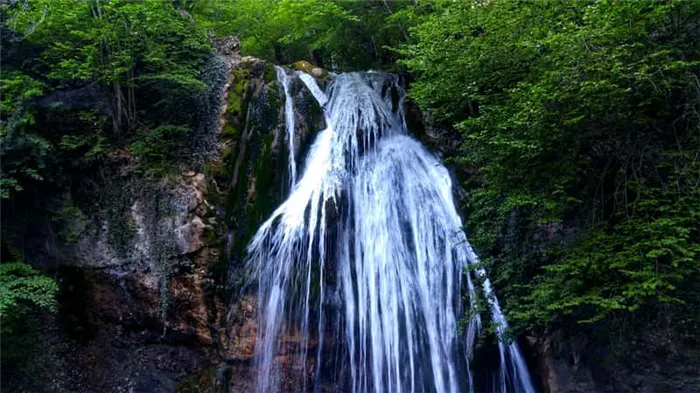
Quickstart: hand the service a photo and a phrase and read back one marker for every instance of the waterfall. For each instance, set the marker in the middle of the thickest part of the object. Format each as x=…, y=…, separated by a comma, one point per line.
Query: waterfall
x=283, y=80
x=365, y=263
x=316, y=91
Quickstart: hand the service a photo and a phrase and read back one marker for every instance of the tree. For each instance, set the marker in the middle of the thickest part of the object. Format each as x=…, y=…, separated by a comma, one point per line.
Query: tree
x=581, y=123
x=123, y=68
x=24, y=154
x=342, y=35
x=117, y=43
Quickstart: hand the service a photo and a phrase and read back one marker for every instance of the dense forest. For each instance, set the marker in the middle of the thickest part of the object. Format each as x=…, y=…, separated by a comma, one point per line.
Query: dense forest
x=577, y=125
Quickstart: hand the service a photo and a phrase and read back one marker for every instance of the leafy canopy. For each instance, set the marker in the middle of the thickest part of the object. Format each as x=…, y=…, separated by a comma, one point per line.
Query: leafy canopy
x=333, y=34
x=579, y=123
x=81, y=76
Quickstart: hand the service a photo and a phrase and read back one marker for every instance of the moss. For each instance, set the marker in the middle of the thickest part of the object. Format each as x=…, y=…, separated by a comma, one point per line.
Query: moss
x=259, y=172
x=237, y=195
x=269, y=74
x=71, y=222
x=215, y=169
x=121, y=227
x=270, y=108
x=240, y=93
x=264, y=173
x=304, y=66
x=307, y=67
x=237, y=91
x=234, y=105
x=211, y=238
x=230, y=131
x=254, y=169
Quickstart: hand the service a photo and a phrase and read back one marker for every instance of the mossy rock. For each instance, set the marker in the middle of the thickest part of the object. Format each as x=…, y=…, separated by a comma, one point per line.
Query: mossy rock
x=269, y=74
x=237, y=91
x=71, y=222
x=240, y=93
x=229, y=131
x=215, y=169
x=305, y=66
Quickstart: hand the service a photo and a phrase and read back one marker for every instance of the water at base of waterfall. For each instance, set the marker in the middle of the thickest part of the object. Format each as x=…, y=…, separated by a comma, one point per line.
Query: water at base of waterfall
x=361, y=273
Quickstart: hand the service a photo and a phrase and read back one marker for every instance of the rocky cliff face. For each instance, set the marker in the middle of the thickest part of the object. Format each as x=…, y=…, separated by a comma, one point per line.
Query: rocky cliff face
x=142, y=261
x=138, y=302
x=653, y=362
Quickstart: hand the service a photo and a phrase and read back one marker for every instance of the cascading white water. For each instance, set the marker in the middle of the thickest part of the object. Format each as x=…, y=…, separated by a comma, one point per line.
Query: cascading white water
x=316, y=91
x=390, y=264
x=283, y=80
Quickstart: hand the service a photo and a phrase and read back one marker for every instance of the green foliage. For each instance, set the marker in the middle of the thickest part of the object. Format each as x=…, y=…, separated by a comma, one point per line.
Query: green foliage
x=127, y=47
x=23, y=153
x=22, y=288
x=81, y=77
x=24, y=293
x=337, y=34
x=580, y=122
x=71, y=222
x=164, y=142
x=644, y=259
x=106, y=40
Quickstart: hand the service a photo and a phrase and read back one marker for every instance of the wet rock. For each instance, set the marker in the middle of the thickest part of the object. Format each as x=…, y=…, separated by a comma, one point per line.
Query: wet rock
x=190, y=236
x=249, y=61
x=317, y=72
x=242, y=330
x=563, y=375
x=582, y=364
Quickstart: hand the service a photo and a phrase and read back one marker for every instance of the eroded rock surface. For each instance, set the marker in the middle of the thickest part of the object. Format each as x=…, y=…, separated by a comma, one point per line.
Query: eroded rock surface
x=145, y=281
x=585, y=363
